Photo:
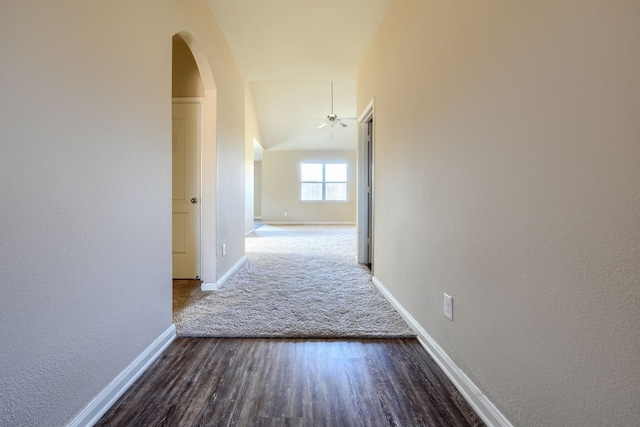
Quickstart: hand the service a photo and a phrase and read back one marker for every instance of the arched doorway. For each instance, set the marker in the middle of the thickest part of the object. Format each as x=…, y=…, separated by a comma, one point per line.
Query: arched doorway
x=194, y=107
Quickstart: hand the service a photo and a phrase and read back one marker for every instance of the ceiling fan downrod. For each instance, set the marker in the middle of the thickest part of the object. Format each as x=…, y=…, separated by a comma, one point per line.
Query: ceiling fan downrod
x=332, y=118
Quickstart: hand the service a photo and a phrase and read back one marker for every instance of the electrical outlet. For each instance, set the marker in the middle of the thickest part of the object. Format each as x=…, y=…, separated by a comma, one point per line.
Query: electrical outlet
x=285, y=214
x=448, y=306
x=224, y=249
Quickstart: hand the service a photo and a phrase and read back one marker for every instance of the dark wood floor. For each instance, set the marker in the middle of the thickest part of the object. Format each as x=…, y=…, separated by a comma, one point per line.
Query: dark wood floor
x=292, y=382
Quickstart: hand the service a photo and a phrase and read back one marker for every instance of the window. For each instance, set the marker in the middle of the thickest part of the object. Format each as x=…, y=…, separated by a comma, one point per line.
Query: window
x=323, y=181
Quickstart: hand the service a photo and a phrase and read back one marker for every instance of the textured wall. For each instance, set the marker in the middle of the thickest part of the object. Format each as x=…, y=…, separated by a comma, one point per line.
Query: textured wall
x=507, y=175
x=251, y=134
x=85, y=183
x=257, y=174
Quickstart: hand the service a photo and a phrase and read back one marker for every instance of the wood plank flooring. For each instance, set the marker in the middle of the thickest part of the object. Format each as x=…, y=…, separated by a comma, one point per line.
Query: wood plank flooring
x=292, y=382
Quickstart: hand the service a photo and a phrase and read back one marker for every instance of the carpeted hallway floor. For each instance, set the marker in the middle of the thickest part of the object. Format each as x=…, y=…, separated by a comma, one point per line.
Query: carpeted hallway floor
x=298, y=281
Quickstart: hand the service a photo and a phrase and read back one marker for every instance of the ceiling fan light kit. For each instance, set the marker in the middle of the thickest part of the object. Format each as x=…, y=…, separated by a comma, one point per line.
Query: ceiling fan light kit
x=333, y=119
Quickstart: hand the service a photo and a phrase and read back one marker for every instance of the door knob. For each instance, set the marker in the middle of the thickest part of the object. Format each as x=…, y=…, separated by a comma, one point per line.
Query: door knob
x=194, y=200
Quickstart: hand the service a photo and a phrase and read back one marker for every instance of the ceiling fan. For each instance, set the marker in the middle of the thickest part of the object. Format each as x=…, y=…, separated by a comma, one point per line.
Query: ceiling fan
x=333, y=119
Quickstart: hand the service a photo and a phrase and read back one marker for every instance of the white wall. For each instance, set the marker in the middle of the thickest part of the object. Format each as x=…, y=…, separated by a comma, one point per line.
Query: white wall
x=185, y=76
x=85, y=183
x=257, y=195
x=507, y=164
x=281, y=188
x=252, y=134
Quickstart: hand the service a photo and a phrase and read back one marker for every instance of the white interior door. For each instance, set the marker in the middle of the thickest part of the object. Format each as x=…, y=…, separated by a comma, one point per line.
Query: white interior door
x=186, y=190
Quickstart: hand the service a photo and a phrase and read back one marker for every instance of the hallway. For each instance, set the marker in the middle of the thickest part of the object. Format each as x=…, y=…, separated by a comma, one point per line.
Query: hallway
x=283, y=382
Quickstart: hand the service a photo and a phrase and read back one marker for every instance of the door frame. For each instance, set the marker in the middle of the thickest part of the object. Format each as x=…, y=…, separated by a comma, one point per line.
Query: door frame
x=199, y=150
x=365, y=215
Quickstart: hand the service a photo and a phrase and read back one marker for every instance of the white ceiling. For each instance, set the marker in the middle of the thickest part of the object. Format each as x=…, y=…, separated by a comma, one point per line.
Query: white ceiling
x=290, y=113
x=290, y=51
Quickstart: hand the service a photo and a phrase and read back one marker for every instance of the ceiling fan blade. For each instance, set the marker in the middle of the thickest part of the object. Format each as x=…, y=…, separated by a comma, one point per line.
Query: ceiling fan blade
x=322, y=125
x=344, y=125
x=348, y=118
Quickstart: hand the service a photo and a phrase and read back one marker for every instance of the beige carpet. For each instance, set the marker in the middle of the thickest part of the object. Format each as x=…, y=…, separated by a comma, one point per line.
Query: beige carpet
x=298, y=281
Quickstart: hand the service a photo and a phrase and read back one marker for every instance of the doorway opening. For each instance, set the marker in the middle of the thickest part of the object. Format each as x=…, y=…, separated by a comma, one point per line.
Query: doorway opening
x=193, y=163
x=365, y=215
x=257, y=184
x=186, y=123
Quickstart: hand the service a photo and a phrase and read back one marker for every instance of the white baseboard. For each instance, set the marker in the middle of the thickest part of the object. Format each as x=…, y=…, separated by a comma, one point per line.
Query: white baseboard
x=101, y=403
x=308, y=223
x=215, y=286
x=208, y=286
x=480, y=403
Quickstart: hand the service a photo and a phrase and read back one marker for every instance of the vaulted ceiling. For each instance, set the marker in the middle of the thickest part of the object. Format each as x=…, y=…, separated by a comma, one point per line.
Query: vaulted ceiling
x=290, y=51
